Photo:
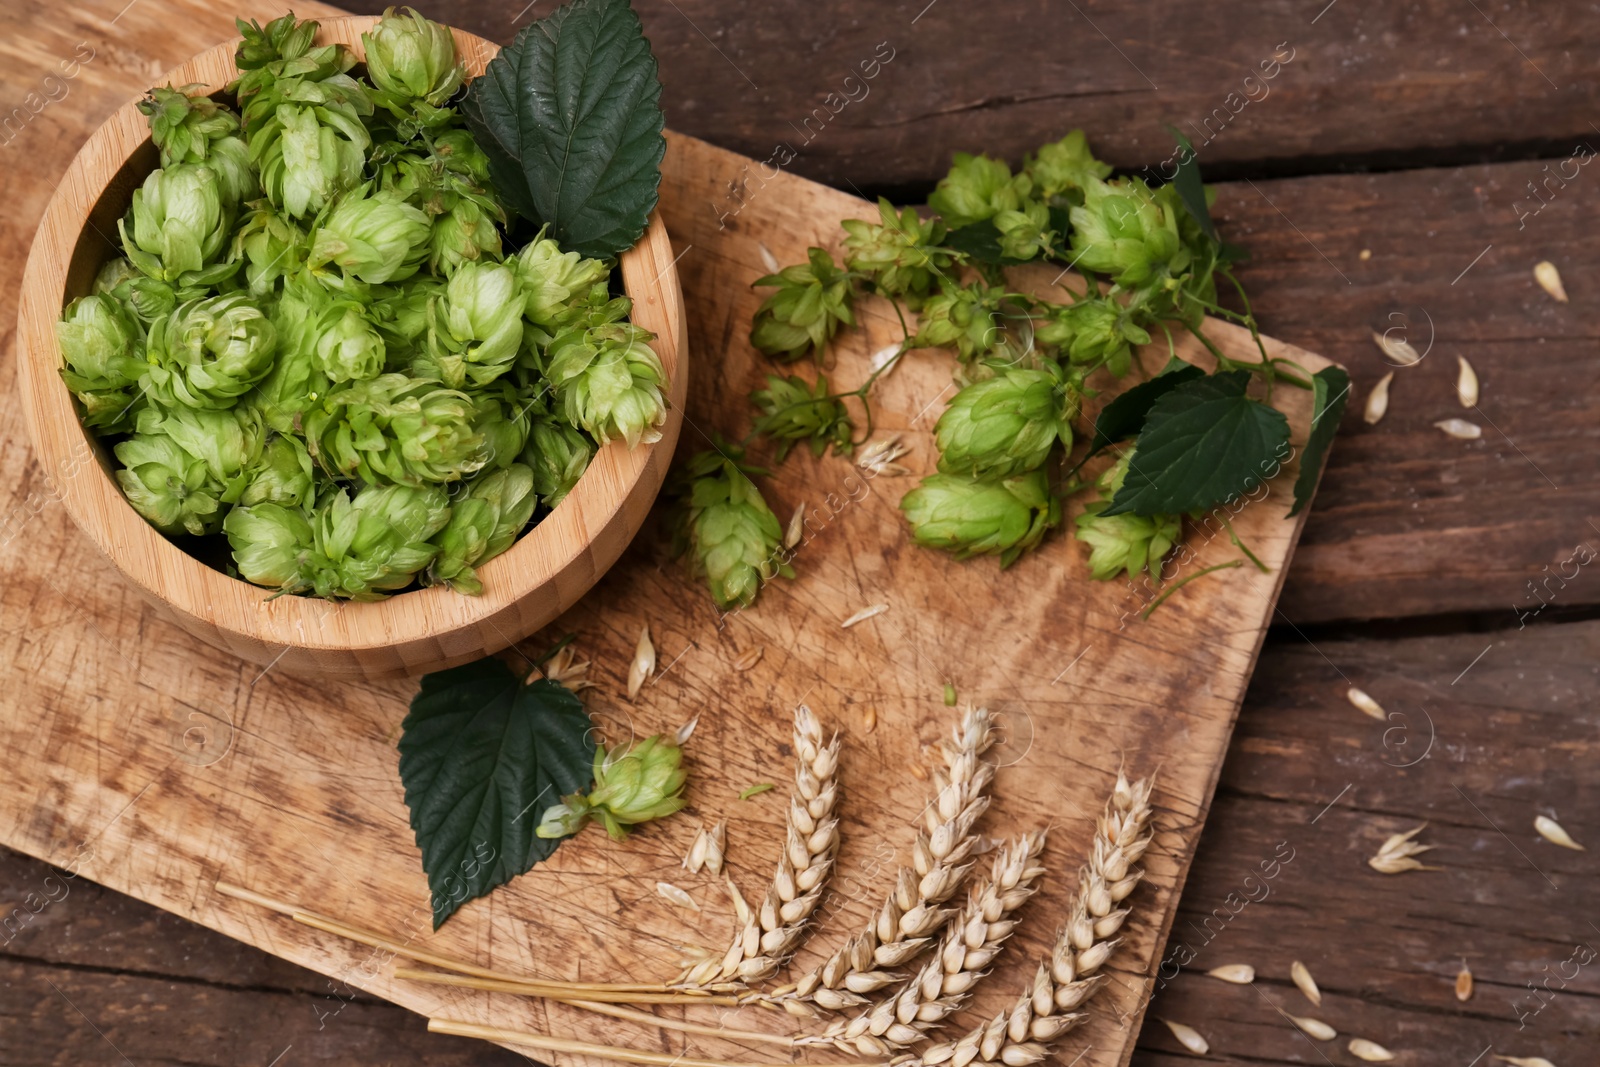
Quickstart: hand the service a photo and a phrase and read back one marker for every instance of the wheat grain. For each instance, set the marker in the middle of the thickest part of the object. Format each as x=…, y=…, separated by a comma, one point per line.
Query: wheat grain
x=1236, y=973
x=1065, y=980
x=1549, y=279
x=676, y=896
x=1395, y=854
x=972, y=938
x=1303, y=980
x=1188, y=1037
x=1370, y=1051
x=1554, y=833
x=766, y=936
x=1464, y=983
x=716, y=846
x=1397, y=350
x=1460, y=429
x=1466, y=383
x=940, y=856
x=1378, y=401
x=1314, y=1027
x=644, y=662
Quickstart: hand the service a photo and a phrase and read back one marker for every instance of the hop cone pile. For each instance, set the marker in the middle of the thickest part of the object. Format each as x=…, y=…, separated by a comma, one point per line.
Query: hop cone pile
x=315, y=343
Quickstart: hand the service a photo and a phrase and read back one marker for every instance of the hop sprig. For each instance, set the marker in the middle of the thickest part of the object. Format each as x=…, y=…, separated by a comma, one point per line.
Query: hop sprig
x=901, y=254
x=792, y=411
x=810, y=302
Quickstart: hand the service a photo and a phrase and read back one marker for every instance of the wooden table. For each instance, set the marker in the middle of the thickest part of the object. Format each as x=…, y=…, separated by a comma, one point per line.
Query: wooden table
x=1383, y=180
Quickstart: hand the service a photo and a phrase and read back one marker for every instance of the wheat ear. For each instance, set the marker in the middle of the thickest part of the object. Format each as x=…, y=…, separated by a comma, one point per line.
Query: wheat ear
x=911, y=914
x=972, y=939
x=767, y=936
x=1022, y=1034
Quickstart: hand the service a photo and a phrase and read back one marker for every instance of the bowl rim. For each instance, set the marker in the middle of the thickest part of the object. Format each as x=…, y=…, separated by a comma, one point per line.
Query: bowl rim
x=558, y=556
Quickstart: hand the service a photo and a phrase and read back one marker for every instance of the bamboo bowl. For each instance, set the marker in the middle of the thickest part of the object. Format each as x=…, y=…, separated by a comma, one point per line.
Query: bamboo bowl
x=542, y=575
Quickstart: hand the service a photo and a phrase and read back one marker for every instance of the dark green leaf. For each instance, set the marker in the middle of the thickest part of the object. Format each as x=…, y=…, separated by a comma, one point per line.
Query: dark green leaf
x=1124, y=416
x=570, y=116
x=981, y=241
x=1330, y=389
x=1203, y=443
x=482, y=755
x=1190, y=189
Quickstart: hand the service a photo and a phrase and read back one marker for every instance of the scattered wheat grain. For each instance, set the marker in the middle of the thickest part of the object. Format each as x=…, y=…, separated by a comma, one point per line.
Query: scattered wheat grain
x=1525, y=1061
x=1378, y=400
x=1466, y=383
x=1553, y=832
x=1370, y=1051
x=1460, y=429
x=676, y=896
x=695, y=859
x=1398, y=350
x=644, y=662
x=1367, y=706
x=749, y=658
x=863, y=615
x=1237, y=973
x=1305, y=983
x=1394, y=856
x=1314, y=1027
x=797, y=526
x=686, y=731
x=716, y=846
x=768, y=260
x=1464, y=983
x=1549, y=279
x=1188, y=1037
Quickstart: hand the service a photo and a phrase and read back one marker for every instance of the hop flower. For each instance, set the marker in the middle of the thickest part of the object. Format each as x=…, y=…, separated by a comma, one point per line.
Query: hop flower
x=805, y=311
x=374, y=236
x=1093, y=331
x=272, y=545
x=1005, y=425
x=966, y=316
x=296, y=380
x=793, y=411
x=209, y=352
x=465, y=232
x=1124, y=542
x=557, y=454
x=1062, y=169
x=102, y=350
x=969, y=518
x=901, y=254
x=281, y=39
x=177, y=224
x=643, y=782
x=608, y=379
x=1023, y=232
x=977, y=188
x=483, y=523
x=147, y=298
x=306, y=134
x=479, y=327
x=1126, y=231
x=181, y=469
x=283, y=475
x=554, y=282
x=734, y=536
x=395, y=429
x=401, y=311
x=197, y=129
x=412, y=62
x=504, y=436
x=271, y=246
x=348, y=345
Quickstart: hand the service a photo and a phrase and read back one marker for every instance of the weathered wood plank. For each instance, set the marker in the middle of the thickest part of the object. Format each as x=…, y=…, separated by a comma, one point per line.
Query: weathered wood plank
x=1385, y=81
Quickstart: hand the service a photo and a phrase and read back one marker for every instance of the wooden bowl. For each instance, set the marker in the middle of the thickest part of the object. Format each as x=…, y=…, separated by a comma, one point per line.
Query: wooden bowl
x=543, y=574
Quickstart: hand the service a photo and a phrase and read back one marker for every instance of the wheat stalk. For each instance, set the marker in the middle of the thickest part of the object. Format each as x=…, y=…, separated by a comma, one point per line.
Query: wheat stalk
x=911, y=914
x=1022, y=1034
x=972, y=939
x=767, y=936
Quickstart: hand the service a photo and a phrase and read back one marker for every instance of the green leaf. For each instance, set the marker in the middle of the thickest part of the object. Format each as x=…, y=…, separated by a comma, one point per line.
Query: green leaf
x=1190, y=189
x=1330, y=389
x=981, y=241
x=1124, y=416
x=1203, y=443
x=481, y=756
x=570, y=116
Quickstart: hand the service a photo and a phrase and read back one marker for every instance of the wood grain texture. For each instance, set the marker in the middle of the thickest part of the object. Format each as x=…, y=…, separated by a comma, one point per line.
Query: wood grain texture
x=159, y=764
x=1386, y=81
x=543, y=574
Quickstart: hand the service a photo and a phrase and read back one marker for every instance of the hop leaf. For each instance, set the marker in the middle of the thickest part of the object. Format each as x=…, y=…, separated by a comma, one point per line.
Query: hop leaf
x=793, y=411
x=1004, y=425
x=808, y=305
x=733, y=536
x=901, y=254
x=968, y=518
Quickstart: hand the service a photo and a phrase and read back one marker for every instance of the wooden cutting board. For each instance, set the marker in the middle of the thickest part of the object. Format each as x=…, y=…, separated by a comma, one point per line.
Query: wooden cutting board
x=157, y=765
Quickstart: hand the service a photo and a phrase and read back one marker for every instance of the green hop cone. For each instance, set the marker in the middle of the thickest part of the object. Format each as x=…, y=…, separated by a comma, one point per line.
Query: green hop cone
x=608, y=380
x=1005, y=425
x=808, y=305
x=479, y=332
x=504, y=421
x=375, y=237
x=969, y=518
x=902, y=254
x=148, y=298
x=183, y=468
x=412, y=63
x=1094, y=331
x=483, y=523
x=102, y=349
x=557, y=454
x=1125, y=231
x=1064, y=168
x=977, y=188
x=734, y=537
x=642, y=782
x=393, y=429
x=209, y=352
x=1124, y=542
x=177, y=224
x=1025, y=232
x=793, y=411
x=229, y=442
x=402, y=311
x=377, y=542
x=464, y=232
x=967, y=317
x=197, y=129
x=282, y=475
x=554, y=283
x=296, y=380
x=272, y=545
x=307, y=136
x=271, y=246
x=282, y=38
